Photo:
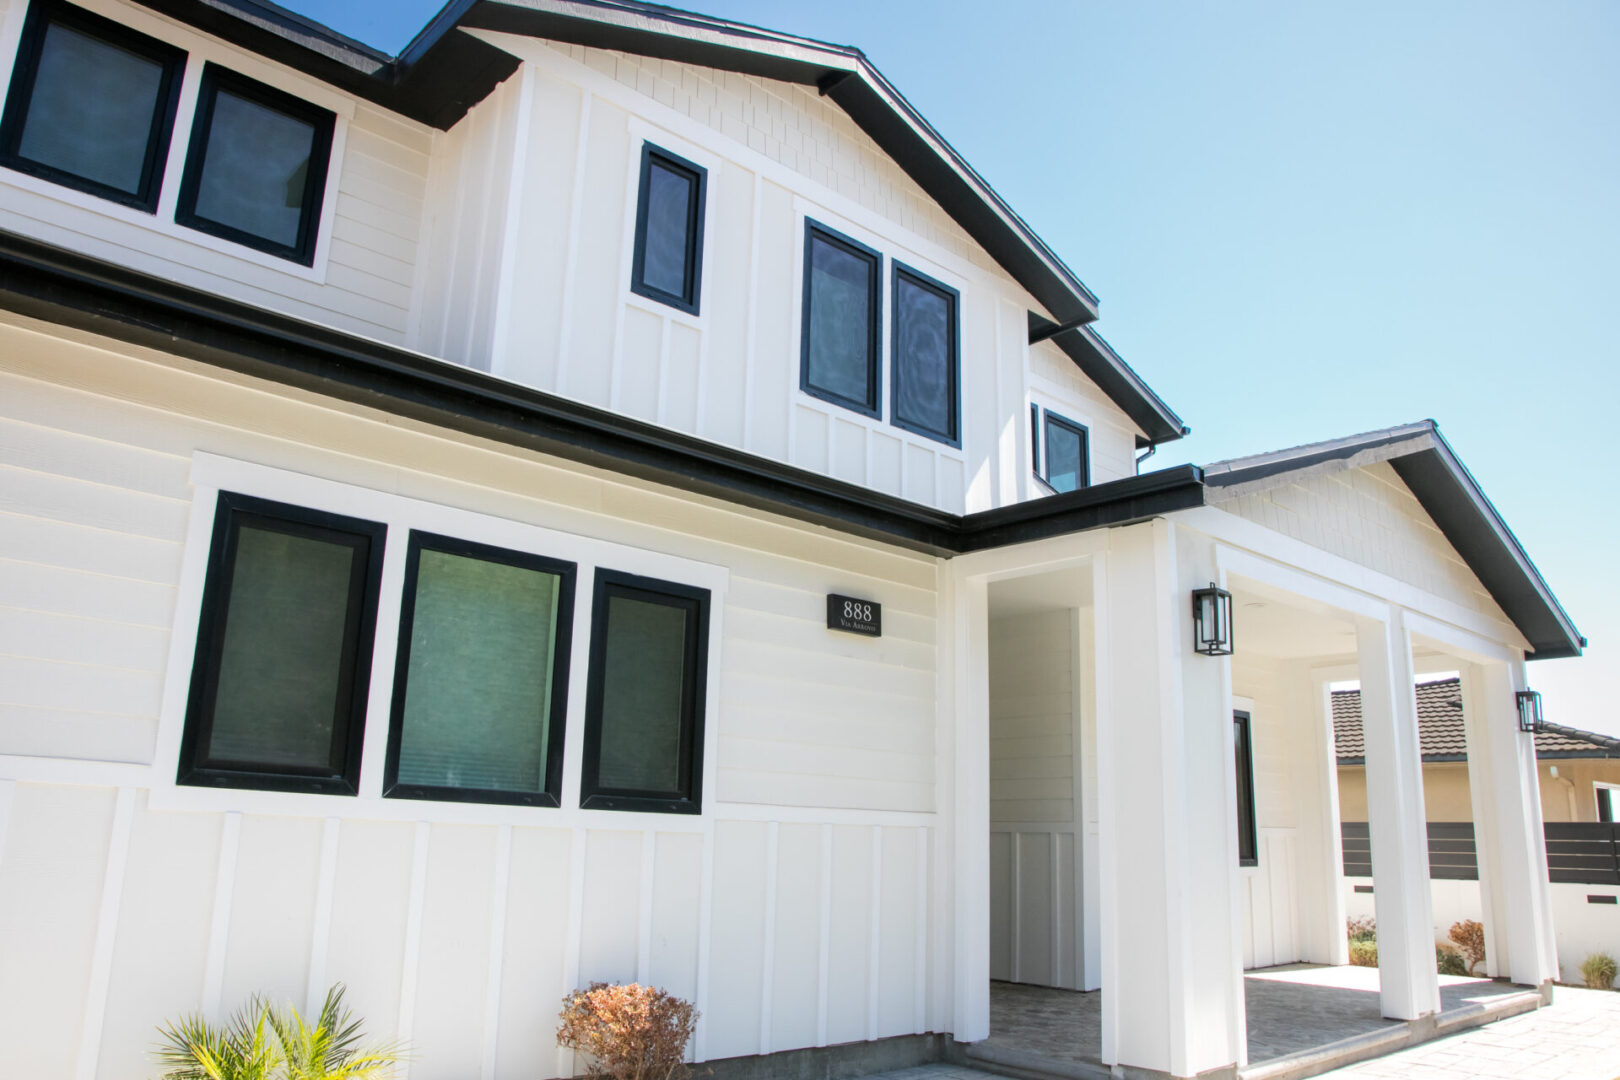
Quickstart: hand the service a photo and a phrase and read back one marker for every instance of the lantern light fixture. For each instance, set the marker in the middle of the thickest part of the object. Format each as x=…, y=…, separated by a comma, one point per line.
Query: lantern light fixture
x=1529, y=703
x=1212, y=621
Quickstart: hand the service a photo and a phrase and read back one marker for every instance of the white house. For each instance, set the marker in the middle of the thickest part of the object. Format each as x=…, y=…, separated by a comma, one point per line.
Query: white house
x=611, y=494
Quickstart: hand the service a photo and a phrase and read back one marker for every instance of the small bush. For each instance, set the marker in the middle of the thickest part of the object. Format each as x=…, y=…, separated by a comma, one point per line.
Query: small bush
x=1598, y=971
x=629, y=1032
x=1469, y=937
x=1364, y=953
x=269, y=1042
x=1361, y=928
x=1448, y=959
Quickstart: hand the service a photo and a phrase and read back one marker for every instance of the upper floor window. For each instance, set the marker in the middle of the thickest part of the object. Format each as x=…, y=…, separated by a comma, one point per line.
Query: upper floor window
x=1066, y=464
x=925, y=361
x=91, y=105
x=668, y=260
x=841, y=320
x=256, y=167
x=1243, y=748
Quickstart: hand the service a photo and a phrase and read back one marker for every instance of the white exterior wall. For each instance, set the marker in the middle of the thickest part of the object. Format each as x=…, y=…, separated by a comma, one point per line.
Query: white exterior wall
x=365, y=259
x=798, y=910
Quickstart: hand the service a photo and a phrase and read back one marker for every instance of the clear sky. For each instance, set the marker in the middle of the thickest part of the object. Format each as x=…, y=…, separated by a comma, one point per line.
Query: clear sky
x=1308, y=220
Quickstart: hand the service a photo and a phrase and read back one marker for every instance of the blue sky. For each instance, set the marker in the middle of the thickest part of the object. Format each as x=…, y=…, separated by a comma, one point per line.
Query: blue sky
x=1308, y=220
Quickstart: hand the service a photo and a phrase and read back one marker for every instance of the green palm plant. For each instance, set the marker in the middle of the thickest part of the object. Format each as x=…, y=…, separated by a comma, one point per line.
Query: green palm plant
x=263, y=1042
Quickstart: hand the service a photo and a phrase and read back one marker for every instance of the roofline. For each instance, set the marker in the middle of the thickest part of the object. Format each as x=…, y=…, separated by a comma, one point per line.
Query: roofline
x=1451, y=496
x=46, y=282
x=445, y=70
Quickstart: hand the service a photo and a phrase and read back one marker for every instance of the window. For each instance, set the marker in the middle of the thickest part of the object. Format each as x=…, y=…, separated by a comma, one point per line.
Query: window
x=668, y=259
x=481, y=679
x=1067, y=453
x=256, y=169
x=841, y=320
x=1035, y=440
x=91, y=105
x=923, y=386
x=644, y=704
x=1606, y=802
x=1247, y=855
x=279, y=683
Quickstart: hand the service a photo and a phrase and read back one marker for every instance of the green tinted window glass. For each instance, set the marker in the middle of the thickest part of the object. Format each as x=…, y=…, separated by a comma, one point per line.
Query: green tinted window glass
x=478, y=689
x=644, y=660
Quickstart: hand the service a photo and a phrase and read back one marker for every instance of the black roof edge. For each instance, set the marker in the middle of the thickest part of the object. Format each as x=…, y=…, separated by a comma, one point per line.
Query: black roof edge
x=1093, y=355
x=45, y=282
x=1451, y=496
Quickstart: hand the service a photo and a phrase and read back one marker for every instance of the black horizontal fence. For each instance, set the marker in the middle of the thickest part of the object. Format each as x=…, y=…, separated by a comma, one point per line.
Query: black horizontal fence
x=1579, y=853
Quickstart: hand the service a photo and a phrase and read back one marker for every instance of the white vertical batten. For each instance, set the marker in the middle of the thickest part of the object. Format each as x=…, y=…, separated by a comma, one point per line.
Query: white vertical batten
x=497, y=949
x=824, y=959
x=219, y=928
x=644, y=914
x=321, y=935
x=506, y=283
x=752, y=319
x=767, y=972
x=101, y=956
x=919, y=973
x=1015, y=901
x=565, y=324
x=413, y=937
x=700, y=1039
x=7, y=790
x=573, y=943
x=874, y=962
x=1056, y=839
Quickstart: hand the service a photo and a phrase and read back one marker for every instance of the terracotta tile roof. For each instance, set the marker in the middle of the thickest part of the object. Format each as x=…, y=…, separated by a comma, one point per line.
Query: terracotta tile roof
x=1440, y=729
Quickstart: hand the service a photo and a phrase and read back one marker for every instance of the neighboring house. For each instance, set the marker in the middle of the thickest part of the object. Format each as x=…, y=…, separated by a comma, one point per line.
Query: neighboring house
x=1579, y=781
x=611, y=494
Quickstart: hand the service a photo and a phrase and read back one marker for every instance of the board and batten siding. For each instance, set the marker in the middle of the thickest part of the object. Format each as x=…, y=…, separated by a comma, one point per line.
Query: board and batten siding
x=802, y=908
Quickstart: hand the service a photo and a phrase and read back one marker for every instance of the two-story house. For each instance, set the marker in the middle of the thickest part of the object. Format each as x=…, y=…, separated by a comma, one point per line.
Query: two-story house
x=611, y=494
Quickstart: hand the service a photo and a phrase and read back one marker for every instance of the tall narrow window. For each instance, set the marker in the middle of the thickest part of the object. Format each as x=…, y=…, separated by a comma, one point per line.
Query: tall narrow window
x=1067, y=453
x=256, y=168
x=840, y=322
x=668, y=260
x=644, y=704
x=1247, y=841
x=923, y=389
x=91, y=105
x=1605, y=803
x=1035, y=440
x=481, y=679
x=278, y=689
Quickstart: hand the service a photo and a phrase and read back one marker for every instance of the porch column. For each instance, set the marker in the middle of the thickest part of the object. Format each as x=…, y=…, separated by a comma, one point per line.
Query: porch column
x=1395, y=819
x=1508, y=831
x=1172, y=981
x=970, y=1005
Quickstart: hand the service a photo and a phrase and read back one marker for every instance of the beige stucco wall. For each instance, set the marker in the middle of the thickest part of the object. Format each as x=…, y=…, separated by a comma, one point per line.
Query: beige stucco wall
x=1569, y=796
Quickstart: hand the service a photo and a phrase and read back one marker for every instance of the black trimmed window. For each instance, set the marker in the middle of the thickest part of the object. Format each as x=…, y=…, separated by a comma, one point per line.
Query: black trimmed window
x=1035, y=440
x=1606, y=803
x=283, y=660
x=1067, y=461
x=841, y=323
x=644, y=701
x=256, y=168
x=1244, y=748
x=668, y=261
x=924, y=359
x=481, y=678
x=91, y=105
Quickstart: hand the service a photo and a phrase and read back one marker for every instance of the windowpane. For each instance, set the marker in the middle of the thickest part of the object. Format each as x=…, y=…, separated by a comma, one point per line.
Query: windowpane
x=289, y=640
x=254, y=169
x=669, y=200
x=839, y=339
x=483, y=648
x=924, y=357
x=644, y=659
x=1065, y=455
x=1245, y=789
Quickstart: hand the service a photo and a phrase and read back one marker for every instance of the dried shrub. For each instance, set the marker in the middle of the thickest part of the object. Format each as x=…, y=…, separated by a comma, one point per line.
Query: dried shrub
x=1364, y=953
x=628, y=1032
x=1469, y=937
x=1361, y=928
x=1448, y=960
x=1598, y=971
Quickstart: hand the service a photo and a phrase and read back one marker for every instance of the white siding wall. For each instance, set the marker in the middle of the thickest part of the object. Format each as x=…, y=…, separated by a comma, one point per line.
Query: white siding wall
x=365, y=262
x=797, y=910
x=1034, y=838
x=1270, y=890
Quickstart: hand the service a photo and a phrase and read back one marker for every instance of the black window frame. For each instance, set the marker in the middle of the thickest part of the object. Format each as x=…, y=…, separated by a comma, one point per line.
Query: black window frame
x=1608, y=800
x=1243, y=748
x=873, y=405
x=1036, y=433
x=900, y=270
x=20, y=93
x=1048, y=418
x=690, y=300
x=562, y=651
x=216, y=78
x=592, y=795
x=350, y=727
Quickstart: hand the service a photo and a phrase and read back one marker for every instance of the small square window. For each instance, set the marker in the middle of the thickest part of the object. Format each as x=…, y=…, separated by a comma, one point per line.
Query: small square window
x=668, y=260
x=1244, y=750
x=279, y=683
x=841, y=321
x=924, y=390
x=644, y=704
x=91, y=105
x=256, y=168
x=1067, y=453
x=481, y=679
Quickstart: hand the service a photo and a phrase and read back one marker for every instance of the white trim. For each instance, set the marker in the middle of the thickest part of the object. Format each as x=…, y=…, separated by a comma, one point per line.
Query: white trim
x=506, y=279
x=874, y=942
x=497, y=950
x=919, y=972
x=767, y=975
x=219, y=927
x=824, y=937
x=8, y=790
x=410, y=964
x=101, y=956
x=576, y=197
x=321, y=935
x=644, y=907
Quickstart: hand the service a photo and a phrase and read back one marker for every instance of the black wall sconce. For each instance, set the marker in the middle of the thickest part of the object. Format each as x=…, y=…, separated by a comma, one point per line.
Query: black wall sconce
x=1529, y=703
x=1212, y=621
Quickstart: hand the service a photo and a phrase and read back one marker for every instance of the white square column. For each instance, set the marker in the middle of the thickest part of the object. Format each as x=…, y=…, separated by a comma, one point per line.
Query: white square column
x=1508, y=831
x=1172, y=980
x=1396, y=822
